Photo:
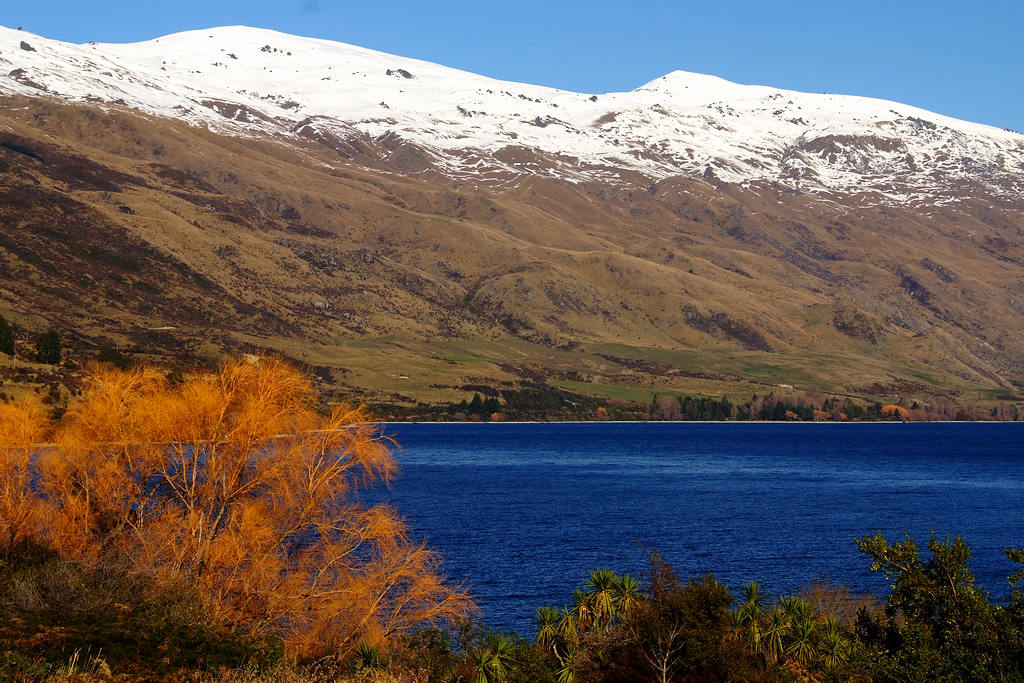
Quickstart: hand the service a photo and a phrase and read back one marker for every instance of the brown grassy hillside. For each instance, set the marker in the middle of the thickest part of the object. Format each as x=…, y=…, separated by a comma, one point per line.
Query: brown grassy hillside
x=359, y=257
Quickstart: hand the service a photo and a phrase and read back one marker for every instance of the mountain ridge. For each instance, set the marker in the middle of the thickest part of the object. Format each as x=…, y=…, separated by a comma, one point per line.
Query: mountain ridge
x=469, y=126
x=409, y=267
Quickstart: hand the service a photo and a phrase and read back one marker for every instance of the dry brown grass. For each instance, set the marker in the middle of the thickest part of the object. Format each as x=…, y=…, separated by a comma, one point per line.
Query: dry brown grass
x=211, y=257
x=838, y=602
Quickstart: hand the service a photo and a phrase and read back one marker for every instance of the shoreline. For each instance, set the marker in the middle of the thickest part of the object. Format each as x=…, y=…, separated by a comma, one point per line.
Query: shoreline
x=693, y=422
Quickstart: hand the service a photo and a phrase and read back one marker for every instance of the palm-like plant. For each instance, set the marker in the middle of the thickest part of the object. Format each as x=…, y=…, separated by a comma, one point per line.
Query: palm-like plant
x=775, y=633
x=566, y=674
x=627, y=593
x=752, y=613
x=550, y=634
x=368, y=657
x=547, y=627
x=753, y=597
x=559, y=633
x=567, y=626
x=605, y=598
x=801, y=647
x=833, y=646
x=600, y=596
x=738, y=623
x=494, y=660
x=582, y=611
x=797, y=609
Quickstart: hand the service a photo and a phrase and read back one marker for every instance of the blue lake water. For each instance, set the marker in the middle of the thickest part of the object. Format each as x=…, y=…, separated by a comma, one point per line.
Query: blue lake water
x=522, y=512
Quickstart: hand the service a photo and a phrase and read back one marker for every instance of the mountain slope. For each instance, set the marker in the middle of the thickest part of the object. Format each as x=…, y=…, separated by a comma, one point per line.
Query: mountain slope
x=241, y=80
x=414, y=253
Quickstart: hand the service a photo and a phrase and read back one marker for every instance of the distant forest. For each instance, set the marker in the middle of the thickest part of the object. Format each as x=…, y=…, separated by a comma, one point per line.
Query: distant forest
x=541, y=401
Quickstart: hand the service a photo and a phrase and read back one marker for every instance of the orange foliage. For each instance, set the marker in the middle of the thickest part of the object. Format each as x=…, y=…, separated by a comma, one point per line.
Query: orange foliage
x=22, y=425
x=233, y=482
x=893, y=410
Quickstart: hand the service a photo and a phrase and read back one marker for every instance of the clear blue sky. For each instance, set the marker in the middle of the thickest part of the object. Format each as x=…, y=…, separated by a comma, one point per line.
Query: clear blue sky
x=964, y=59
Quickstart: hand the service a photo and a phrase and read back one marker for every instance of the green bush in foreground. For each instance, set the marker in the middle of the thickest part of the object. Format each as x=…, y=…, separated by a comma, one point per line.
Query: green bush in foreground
x=935, y=625
x=60, y=621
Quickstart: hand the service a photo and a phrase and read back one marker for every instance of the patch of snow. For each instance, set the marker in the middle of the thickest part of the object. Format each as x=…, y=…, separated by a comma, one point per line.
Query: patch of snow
x=270, y=83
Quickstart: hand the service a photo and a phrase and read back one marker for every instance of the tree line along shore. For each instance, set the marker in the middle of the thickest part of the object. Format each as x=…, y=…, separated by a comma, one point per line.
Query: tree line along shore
x=43, y=364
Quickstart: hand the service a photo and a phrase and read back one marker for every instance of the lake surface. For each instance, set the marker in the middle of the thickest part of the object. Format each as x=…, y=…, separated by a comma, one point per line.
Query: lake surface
x=522, y=512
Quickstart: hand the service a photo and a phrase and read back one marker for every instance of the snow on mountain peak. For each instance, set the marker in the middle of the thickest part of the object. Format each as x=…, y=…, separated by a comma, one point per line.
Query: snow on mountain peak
x=677, y=82
x=247, y=81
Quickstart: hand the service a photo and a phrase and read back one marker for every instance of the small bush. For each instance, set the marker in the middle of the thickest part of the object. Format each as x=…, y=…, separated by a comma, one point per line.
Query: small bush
x=56, y=607
x=109, y=354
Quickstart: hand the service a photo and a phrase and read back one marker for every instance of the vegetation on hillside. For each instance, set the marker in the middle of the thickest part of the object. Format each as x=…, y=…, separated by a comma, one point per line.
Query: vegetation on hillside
x=229, y=487
x=541, y=401
x=6, y=337
x=49, y=363
x=161, y=238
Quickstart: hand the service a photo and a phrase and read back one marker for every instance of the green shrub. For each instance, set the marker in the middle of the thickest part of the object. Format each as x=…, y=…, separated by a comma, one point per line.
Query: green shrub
x=48, y=348
x=109, y=354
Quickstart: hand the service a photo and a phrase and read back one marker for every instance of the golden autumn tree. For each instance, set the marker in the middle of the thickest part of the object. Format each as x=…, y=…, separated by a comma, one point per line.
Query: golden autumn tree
x=22, y=426
x=893, y=410
x=233, y=482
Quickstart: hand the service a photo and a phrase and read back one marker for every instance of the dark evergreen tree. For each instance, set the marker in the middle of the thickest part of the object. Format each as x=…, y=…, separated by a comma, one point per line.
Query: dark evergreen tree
x=48, y=347
x=6, y=337
x=109, y=354
x=853, y=411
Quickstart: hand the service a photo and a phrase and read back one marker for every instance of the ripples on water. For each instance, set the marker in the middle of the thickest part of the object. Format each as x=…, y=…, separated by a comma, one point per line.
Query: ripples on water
x=523, y=511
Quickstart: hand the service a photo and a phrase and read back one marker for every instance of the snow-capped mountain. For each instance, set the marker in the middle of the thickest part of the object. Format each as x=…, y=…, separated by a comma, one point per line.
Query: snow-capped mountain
x=245, y=81
x=239, y=188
